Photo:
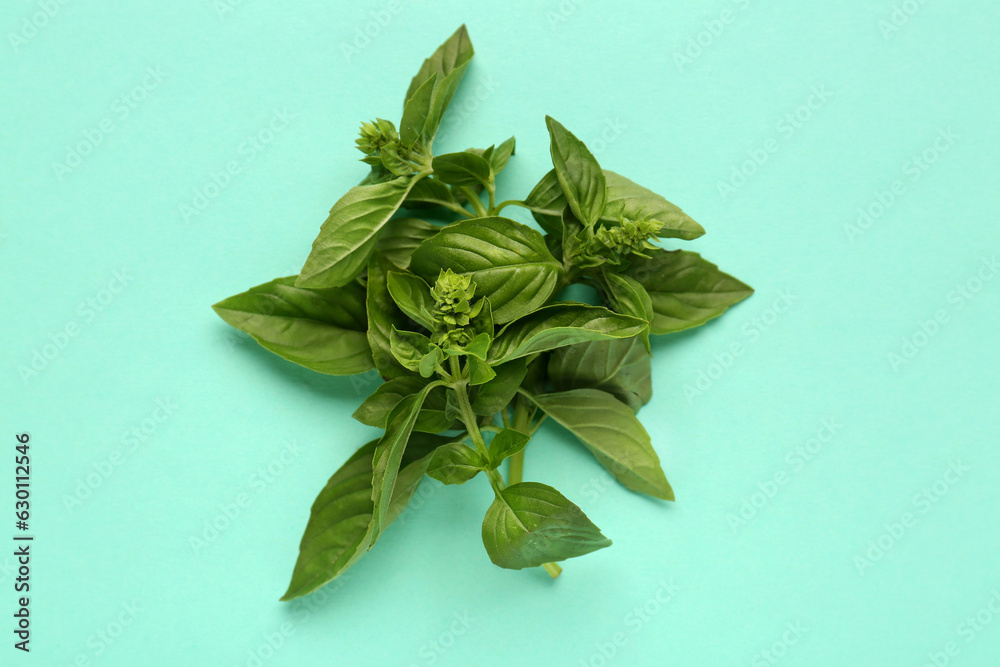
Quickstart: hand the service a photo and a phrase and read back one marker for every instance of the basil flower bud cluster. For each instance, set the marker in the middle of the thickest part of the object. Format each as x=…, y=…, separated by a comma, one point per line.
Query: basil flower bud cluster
x=379, y=141
x=453, y=309
x=630, y=237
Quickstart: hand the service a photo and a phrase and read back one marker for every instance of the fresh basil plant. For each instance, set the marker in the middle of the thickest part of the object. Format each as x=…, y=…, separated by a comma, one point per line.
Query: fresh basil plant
x=459, y=312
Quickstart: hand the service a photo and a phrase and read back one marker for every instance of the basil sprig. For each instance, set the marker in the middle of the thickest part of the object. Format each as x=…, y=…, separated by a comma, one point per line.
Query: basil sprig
x=459, y=311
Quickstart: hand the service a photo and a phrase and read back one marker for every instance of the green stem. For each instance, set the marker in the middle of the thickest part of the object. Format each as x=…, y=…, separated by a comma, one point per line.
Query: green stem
x=495, y=210
x=474, y=199
x=492, y=190
x=472, y=424
x=457, y=208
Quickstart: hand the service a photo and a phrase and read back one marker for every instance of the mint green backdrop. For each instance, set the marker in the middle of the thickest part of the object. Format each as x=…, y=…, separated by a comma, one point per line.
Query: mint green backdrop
x=832, y=440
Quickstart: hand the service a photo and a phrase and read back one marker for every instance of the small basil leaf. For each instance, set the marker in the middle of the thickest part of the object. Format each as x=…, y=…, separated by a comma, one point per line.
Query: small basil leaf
x=505, y=444
x=462, y=168
x=349, y=234
x=413, y=297
x=629, y=297
x=501, y=154
x=558, y=325
x=453, y=53
x=685, y=290
x=374, y=411
x=620, y=367
x=578, y=172
x=412, y=349
x=507, y=260
x=496, y=394
x=321, y=329
x=383, y=317
x=454, y=463
x=611, y=431
x=402, y=235
x=388, y=455
x=547, y=203
x=530, y=524
x=415, y=112
x=480, y=372
x=429, y=193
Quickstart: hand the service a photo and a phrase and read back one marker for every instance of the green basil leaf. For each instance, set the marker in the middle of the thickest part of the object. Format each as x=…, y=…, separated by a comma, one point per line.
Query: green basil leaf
x=349, y=234
x=496, y=394
x=558, y=325
x=547, y=203
x=505, y=444
x=620, y=367
x=686, y=290
x=455, y=463
x=611, y=431
x=383, y=316
x=321, y=329
x=339, y=528
x=415, y=351
x=629, y=297
x=388, y=455
x=413, y=296
x=463, y=168
x=443, y=93
x=501, y=154
x=507, y=260
x=415, y=112
x=453, y=53
x=530, y=524
x=480, y=372
x=578, y=172
x=632, y=201
x=402, y=235
x=429, y=193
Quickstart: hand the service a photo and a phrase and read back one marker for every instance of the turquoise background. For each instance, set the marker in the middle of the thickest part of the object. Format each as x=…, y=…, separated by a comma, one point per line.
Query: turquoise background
x=836, y=506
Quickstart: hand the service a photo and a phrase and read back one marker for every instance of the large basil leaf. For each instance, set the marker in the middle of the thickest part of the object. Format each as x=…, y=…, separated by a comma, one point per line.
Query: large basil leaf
x=415, y=112
x=619, y=367
x=389, y=454
x=493, y=396
x=530, y=524
x=611, y=431
x=462, y=168
x=413, y=296
x=686, y=290
x=402, y=235
x=443, y=93
x=508, y=261
x=559, y=325
x=375, y=409
x=383, y=315
x=579, y=174
x=339, y=528
x=321, y=329
x=452, y=54
x=348, y=236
